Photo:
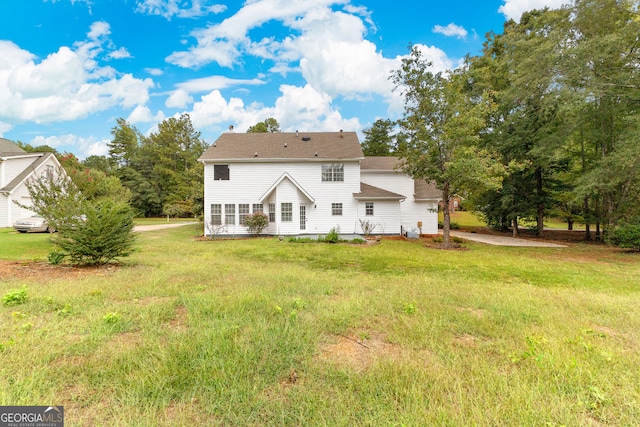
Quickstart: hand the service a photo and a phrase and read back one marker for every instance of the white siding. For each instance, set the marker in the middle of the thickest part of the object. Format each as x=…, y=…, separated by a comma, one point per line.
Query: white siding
x=386, y=216
x=249, y=182
x=14, y=167
x=412, y=212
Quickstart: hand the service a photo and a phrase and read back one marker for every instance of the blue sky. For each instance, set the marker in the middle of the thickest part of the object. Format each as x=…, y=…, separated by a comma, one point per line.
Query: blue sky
x=70, y=68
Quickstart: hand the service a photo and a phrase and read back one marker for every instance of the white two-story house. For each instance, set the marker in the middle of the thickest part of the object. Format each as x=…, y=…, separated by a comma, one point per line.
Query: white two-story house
x=308, y=183
x=16, y=168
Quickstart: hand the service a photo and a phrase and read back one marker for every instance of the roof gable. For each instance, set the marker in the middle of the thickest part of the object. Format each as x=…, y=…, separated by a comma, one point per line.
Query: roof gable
x=284, y=146
x=284, y=176
x=28, y=171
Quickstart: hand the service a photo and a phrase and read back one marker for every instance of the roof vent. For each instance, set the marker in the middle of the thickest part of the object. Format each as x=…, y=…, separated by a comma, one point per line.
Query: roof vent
x=341, y=135
x=255, y=154
x=285, y=145
x=296, y=133
x=316, y=154
x=306, y=138
x=231, y=128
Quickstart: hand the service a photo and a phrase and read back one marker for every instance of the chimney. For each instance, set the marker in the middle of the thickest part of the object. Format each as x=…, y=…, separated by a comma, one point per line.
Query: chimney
x=341, y=135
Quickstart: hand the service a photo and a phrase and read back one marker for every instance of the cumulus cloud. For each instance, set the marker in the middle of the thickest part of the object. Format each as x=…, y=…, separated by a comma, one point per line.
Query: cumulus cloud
x=142, y=114
x=81, y=147
x=296, y=108
x=513, y=9
x=121, y=53
x=170, y=8
x=451, y=30
x=66, y=85
x=179, y=99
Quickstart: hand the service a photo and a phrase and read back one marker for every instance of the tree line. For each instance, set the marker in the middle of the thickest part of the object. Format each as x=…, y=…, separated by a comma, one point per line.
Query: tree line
x=543, y=123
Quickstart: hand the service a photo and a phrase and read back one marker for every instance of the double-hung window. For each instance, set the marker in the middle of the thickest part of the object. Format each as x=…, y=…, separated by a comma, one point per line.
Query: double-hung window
x=257, y=207
x=272, y=212
x=286, y=212
x=333, y=172
x=216, y=214
x=230, y=214
x=336, y=209
x=243, y=211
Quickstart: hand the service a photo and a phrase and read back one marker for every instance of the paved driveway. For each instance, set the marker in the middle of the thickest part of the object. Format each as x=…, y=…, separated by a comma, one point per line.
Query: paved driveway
x=141, y=228
x=491, y=239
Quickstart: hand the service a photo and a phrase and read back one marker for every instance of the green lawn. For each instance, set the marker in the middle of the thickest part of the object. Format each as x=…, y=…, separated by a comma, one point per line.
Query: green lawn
x=262, y=332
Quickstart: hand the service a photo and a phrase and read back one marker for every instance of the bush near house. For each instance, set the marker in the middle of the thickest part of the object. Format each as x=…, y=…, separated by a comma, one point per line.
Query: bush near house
x=256, y=223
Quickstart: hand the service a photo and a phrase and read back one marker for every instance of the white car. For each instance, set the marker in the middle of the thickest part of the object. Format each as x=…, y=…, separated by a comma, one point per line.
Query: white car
x=33, y=224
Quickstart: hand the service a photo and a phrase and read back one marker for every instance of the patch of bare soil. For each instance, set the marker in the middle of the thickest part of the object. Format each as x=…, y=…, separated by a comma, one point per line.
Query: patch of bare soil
x=40, y=270
x=359, y=353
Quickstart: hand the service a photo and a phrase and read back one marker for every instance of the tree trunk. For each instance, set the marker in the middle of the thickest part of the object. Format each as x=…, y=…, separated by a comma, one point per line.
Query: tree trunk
x=514, y=224
x=587, y=225
x=446, y=226
x=540, y=202
x=570, y=224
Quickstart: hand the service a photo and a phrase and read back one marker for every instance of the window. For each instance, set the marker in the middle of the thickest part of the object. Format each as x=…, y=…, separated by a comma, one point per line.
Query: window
x=221, y=172
x=336, y=209
x=303, y=217
x=230, y=214
x=216, y=214
x=286, y=213
x=243, y=211
x=257, y=207
x=272, y=212
x=333, y=172
x=368, y=208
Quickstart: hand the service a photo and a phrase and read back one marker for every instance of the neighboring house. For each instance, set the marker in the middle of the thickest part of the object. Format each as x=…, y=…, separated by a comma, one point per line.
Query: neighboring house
x=16, y=167
x=308, y=183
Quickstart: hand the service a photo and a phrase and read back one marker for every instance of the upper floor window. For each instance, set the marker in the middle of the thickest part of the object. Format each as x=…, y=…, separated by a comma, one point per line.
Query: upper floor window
x=336, y=209
x=333, y=172
x=221, y=172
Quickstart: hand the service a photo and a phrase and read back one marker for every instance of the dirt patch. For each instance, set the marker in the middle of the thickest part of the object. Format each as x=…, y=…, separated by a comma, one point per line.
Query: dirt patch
x=180, y=320
x=466, y=340
x=359, y=353
x=39, y=270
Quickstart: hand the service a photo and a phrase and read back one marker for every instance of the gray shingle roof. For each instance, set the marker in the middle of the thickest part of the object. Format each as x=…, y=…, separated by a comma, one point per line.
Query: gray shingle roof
x=423, y=190
x=370, y=192
x=9, y=148
x=284, y=146
x=380, y=163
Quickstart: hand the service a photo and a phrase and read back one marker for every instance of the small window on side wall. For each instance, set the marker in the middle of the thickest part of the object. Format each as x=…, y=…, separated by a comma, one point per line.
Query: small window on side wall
x=368, y=208
x=221, y=172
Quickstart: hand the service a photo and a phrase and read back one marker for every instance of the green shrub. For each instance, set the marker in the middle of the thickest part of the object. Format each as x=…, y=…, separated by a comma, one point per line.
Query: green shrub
x=627, y=235
x=452, y=225
x=15, y=297
x=256, y=223
x=333, y=236
x=56, y=257
x=103, y=233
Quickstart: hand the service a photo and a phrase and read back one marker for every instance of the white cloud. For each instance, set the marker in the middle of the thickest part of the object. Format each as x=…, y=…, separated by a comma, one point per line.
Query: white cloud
x=66, y=85
x=328, y=47
x=154, y=71
x=81, y=147
x=121, y=53
x=142, y=114
x=207, y=84
x=298, y=108
x=171, y=8
x=179, y=99
x=451, y=30
x=513, y=9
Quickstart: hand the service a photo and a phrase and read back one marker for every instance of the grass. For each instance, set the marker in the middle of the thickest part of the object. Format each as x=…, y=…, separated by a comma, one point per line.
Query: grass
x=23, y=246
x=262, y=332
